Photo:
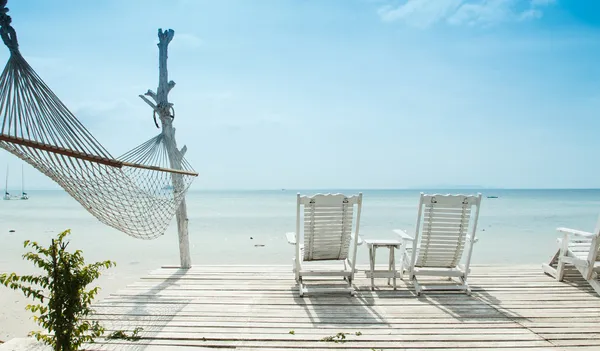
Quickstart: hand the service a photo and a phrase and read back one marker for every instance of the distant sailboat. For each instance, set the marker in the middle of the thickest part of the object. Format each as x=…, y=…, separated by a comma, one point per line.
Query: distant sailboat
x=24, y=195
x=8, y=196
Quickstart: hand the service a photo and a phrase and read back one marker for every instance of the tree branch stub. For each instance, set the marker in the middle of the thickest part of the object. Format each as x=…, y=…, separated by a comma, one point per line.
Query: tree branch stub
x=165, y=36
x=152, y=94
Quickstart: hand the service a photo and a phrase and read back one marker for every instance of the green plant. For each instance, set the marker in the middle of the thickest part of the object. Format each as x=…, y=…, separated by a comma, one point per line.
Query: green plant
x=292, y=332
x=339, y=337
x=61, y=291
x=121, y=334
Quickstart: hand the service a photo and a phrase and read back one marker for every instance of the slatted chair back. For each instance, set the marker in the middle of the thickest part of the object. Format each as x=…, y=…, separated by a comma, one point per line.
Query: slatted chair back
x=594, y=253
x=328, y=223
x=444, y=225
x=586, y=247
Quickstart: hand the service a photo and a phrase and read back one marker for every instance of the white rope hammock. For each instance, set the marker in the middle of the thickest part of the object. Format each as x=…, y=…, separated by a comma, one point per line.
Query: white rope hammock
x=137, y=193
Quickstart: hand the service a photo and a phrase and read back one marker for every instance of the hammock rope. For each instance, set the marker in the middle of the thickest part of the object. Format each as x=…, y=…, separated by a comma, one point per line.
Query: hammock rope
x=137, y=193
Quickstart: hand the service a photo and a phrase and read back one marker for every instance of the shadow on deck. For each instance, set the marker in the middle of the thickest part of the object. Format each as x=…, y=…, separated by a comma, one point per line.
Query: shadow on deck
x=258, y=307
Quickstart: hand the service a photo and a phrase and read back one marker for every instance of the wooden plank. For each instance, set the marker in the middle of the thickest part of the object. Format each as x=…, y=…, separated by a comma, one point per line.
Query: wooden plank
x=166, y=327
x=319, y=345
x=256, y=307
x=131, y=322
x=349, y=337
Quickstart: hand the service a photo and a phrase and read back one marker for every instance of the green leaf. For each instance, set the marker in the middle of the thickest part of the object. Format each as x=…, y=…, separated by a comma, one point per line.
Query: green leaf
x=62, y=292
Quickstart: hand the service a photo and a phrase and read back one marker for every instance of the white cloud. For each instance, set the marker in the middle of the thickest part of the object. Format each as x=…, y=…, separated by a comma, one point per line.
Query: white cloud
x=530, y=14
x=425, y=13
x=420, y=13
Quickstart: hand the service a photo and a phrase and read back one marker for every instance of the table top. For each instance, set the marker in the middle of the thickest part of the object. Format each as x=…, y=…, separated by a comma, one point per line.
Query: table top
x=382, y=242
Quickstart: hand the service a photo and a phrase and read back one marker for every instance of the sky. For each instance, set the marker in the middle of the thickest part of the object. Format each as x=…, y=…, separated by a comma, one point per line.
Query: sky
x=334, y=94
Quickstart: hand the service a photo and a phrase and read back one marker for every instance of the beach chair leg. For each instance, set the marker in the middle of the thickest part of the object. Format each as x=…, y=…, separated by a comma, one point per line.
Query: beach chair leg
x=295, y=269
x=560, y=266
x=595, y=283
x=550, y=268
x=352, y=290
x=560, y=270
x=466, y=286
x=416, y=284
x=346, y=266
x=301, y=288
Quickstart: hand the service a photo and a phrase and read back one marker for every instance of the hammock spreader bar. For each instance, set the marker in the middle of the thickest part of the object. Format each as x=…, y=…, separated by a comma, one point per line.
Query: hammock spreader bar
x=88, y=157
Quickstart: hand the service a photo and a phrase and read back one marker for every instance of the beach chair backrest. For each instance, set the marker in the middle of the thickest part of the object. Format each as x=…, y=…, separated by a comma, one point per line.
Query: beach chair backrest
x=594, y=255
x=444, y=224
x=328, y=224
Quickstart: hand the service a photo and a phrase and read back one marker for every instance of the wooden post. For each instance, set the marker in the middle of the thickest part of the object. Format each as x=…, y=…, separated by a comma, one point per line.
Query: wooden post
x=163, y=108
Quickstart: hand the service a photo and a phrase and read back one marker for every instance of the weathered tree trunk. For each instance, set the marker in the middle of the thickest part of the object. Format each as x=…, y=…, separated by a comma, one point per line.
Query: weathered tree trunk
x=164, y=108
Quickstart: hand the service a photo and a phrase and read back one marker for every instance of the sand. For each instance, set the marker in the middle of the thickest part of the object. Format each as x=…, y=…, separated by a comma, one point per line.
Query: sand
x=16, y=322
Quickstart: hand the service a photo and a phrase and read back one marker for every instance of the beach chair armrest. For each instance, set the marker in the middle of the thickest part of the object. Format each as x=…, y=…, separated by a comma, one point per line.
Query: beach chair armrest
x=291, y=238
x=359, y=241
x=403, y=235
x=575, y=232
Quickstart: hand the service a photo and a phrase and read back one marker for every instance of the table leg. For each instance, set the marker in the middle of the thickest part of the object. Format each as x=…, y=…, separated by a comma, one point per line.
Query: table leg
x=373, y=251
x=390, y=262
x=393, y=248
x=370, y=247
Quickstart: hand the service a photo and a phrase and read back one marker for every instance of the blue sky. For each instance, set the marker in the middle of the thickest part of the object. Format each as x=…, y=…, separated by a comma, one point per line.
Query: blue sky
x=336, y=94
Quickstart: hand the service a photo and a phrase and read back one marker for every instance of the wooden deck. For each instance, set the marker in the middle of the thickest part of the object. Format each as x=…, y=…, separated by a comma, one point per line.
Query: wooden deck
x=258, y=307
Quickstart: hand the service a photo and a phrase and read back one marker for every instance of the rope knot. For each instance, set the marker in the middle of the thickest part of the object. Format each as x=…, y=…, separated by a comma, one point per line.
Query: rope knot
x=7, y=32
x=163, y=110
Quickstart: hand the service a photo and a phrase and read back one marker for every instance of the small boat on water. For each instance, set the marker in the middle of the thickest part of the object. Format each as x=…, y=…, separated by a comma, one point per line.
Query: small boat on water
x=492, y=197
x=8, y=196
x=24, y=195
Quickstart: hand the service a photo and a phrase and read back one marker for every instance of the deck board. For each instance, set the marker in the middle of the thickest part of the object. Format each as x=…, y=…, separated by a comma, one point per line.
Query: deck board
x=258, y=308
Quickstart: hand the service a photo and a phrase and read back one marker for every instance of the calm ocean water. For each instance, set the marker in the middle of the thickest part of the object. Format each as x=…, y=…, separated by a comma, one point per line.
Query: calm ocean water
x=517, y=227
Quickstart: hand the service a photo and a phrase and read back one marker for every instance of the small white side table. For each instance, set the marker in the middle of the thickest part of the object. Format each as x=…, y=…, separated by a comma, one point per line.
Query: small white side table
x=390, y=273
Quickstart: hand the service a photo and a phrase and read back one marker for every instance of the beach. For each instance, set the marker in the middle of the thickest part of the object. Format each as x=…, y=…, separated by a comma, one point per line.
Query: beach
x=247, y=227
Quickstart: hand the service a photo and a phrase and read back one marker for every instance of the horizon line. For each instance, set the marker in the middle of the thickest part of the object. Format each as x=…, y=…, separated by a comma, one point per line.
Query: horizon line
x=362, y=189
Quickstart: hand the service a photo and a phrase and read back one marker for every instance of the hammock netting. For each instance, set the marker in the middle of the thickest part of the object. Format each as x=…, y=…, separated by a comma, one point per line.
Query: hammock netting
x=137, y=193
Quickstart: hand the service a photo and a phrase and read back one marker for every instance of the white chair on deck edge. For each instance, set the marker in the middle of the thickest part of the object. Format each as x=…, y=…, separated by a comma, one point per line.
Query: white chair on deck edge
x=580, y=249
x=327, y=236
x=446, y=224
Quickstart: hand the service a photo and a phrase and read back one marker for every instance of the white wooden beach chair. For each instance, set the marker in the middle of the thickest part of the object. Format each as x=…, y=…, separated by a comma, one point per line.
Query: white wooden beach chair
x=327, y=235
x=446, y=224
x=580, y=249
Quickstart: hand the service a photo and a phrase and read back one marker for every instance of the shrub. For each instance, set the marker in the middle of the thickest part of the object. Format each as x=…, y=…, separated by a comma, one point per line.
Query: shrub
x=61, y=291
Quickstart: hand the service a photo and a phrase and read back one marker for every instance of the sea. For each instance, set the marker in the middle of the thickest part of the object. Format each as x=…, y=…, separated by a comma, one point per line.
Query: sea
x=248, y=227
